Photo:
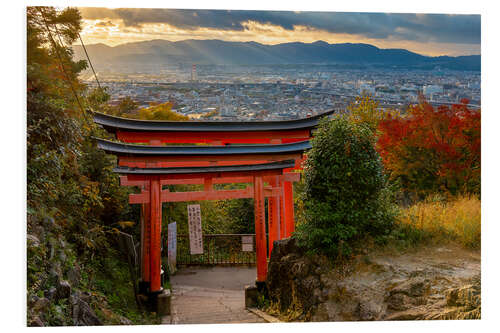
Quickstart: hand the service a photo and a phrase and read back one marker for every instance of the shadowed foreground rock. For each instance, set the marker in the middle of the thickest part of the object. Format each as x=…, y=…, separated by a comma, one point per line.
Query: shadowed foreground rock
x=293, y=279
x=83, y=315
x=438, y=283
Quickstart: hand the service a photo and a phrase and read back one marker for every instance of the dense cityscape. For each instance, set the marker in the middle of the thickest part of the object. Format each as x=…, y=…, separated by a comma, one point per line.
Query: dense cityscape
x=283, y=91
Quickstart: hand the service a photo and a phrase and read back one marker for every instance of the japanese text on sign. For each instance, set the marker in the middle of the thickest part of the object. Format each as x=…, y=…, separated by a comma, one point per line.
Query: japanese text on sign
x=195, y=233
x=172, y=246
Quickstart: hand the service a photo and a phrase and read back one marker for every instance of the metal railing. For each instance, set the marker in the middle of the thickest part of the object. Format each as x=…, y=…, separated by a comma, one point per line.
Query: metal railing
x=218, y=249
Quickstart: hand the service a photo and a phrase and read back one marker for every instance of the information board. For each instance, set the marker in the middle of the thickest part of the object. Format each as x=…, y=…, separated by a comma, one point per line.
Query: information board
x=172, y=247
x=247, y=243
x=195, y=233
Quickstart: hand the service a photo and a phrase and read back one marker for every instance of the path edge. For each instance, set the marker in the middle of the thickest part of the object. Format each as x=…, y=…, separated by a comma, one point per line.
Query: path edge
x=263, y=315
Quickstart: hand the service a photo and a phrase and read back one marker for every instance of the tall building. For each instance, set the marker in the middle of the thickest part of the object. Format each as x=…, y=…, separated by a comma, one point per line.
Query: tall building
x=194, y=77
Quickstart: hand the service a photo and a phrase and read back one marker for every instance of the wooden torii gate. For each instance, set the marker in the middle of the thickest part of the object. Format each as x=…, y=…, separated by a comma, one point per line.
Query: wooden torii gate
x=237, y=152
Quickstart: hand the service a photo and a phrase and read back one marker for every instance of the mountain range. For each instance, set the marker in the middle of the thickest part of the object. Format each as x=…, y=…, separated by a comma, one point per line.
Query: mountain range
x=217, y=52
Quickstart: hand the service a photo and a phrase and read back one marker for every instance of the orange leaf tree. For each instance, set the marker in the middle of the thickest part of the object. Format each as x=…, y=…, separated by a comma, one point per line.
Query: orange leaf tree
x=433, y=149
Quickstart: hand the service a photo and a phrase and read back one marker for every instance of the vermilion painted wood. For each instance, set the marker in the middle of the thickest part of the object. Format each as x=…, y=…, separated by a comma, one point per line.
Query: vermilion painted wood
x=142, y=164
x=261, y=173
x=282, y=226
x=167, y=196
x=155, y=262
x=139, y=198
x=206, y=195
x=201, y=160
x=290, y=177
x=125, y=182
x=260, y=229
x=289, y=214
x=148, y=234
x=146, y=241
x=273, y=215
x=207, y=184
x=209, y=137
x=144, y=272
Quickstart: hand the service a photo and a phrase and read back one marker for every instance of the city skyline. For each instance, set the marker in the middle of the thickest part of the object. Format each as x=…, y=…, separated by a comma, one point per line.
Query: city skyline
x=426, y=34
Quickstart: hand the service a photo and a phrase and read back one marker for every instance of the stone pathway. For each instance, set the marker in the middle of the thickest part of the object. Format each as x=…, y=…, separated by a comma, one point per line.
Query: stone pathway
x=212, y=295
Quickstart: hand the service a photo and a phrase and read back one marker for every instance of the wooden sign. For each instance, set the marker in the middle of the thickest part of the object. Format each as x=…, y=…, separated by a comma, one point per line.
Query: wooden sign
x=247, y=243
x=195, y=233
x=172, y=247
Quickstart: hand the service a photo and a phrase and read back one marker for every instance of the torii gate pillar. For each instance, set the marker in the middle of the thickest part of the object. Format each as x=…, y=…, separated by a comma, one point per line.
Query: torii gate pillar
x=155, y=213
x=273, y=216
x=288, y=203
x=260, y=229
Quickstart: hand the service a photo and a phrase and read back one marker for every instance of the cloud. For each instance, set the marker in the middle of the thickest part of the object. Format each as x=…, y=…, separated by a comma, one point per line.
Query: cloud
x=437, y=28
x=104, y=24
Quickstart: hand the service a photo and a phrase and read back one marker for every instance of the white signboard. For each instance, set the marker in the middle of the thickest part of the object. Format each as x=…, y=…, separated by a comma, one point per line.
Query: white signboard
x=247, y=243
x=172, y=246
x=195, y=234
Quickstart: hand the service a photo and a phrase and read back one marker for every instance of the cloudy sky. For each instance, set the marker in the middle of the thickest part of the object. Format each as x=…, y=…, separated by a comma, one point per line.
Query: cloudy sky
x=428, y=34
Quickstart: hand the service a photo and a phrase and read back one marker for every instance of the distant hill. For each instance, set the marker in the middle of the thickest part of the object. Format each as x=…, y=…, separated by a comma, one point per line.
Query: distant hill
x=251, y=53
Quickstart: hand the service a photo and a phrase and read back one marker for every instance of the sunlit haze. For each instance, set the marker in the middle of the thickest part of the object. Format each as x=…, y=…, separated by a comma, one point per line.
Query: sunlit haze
x=426, y=34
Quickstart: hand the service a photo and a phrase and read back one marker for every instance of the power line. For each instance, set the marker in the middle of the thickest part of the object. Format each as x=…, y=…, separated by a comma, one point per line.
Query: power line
x=90, y=62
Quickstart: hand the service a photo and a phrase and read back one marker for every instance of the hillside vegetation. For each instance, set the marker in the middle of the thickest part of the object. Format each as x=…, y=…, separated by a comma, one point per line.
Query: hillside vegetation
x=76, y=273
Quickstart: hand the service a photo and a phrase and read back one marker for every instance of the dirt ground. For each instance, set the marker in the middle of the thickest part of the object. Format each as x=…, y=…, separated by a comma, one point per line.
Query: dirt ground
x=431, y=282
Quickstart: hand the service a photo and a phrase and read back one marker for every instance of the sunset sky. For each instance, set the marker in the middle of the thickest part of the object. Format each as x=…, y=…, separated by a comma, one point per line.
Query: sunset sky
x=428, y=34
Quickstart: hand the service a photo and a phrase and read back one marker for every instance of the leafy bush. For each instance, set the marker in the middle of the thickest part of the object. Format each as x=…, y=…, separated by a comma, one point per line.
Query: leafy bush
x=344, y=195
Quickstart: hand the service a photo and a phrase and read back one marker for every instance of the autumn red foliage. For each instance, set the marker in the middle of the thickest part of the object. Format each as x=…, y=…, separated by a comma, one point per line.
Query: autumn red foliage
x=433, y=149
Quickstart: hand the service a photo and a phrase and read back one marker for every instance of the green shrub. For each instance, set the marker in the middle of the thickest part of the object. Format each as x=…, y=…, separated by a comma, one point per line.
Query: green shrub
x=344, y=195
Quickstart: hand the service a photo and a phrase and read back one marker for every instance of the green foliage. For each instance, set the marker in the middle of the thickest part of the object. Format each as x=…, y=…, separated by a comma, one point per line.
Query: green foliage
x=365, y=110
x=237, y=215
x=404, y=236
x=158, y=112
x=218, y=216
x=262, y=302
x=127, y=105
x=344, y=196
x=74, y=199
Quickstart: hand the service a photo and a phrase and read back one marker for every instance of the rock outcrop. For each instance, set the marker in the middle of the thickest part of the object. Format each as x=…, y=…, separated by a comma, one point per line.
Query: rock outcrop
x=83, y=315
x=293, y=279
x=436, y=284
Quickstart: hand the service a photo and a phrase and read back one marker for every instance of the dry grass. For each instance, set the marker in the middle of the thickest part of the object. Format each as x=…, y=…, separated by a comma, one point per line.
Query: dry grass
x=458, y=219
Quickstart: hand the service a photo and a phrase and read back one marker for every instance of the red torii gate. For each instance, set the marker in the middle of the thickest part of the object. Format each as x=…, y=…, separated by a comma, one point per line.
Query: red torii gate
x=276, y=151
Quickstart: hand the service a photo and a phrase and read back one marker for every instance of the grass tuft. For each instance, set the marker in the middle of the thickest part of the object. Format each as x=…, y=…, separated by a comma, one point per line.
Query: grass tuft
x=457, y=220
